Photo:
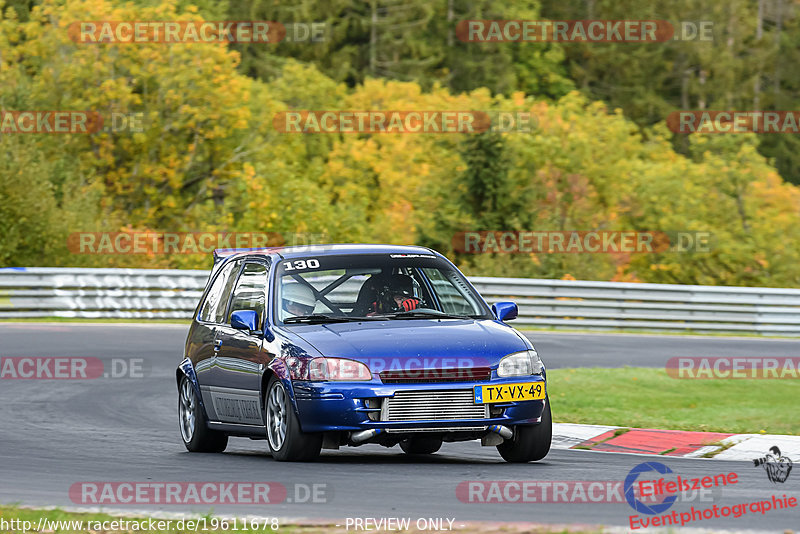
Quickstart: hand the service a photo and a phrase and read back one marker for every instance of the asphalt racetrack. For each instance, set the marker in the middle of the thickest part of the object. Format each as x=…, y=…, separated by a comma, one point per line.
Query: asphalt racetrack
x=56, y=433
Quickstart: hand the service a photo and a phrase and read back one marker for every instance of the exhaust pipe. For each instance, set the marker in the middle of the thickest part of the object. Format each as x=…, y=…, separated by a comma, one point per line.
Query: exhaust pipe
x=364, y=435
x=504, y=431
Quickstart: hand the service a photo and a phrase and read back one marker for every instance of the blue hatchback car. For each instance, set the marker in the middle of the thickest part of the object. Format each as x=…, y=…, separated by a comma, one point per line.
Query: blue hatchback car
x=332, y=345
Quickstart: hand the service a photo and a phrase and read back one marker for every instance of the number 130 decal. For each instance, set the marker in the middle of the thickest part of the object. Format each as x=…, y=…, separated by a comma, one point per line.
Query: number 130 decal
x=301, y=264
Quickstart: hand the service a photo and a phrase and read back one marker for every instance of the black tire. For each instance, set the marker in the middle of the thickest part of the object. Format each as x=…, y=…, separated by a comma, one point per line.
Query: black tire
x=421, y=445
x=529, y=442
x=293, y=445
x=196, y=435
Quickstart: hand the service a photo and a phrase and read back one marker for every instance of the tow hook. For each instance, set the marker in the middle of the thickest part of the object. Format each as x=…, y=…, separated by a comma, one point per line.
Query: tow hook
x=504, y=431
x=496, y=436
x=364, y=435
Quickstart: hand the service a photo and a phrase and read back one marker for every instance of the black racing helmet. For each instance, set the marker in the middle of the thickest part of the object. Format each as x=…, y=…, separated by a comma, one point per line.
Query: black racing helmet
x=396, y=285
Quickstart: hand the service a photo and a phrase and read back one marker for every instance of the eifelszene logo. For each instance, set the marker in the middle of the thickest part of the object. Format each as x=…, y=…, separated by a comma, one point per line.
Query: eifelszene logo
x=630, y=486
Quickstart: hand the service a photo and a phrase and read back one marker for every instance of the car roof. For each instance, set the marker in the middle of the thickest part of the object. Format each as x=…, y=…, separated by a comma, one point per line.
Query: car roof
x=320, y=250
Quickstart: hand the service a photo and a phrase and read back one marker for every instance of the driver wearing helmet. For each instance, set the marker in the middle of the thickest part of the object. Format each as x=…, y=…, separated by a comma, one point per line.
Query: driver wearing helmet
x=298, y=300
x=396, y=294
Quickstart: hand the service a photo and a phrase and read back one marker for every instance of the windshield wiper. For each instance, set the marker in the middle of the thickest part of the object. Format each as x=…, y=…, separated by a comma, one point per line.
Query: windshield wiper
x=425, y=314
x=319, y=318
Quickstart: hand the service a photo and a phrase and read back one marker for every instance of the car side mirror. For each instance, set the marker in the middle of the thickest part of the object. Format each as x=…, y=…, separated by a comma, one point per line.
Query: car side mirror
x=505, y=311
x=268, y=335
x=244, y=320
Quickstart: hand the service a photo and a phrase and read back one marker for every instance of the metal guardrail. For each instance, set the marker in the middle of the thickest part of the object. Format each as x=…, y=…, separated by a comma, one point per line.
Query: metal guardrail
x=173, y=294
x=665, y=307
x=100, y=293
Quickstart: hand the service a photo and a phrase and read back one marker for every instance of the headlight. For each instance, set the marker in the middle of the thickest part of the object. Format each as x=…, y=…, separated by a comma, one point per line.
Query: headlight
x=322, y=369
x=520, y=364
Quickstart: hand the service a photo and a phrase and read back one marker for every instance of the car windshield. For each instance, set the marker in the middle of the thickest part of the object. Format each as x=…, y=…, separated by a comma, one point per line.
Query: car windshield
x=373, y=286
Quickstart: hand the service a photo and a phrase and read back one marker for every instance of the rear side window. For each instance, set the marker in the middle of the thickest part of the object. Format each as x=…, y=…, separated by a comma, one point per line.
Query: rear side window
x=251, y=291
x=213, y=308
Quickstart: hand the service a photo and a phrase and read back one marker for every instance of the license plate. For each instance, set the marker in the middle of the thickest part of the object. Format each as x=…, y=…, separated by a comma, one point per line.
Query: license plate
x=509, y=392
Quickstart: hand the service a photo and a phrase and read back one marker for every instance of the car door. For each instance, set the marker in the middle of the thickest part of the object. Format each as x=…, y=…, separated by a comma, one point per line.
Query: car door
x=202, y=344
x=241, y=358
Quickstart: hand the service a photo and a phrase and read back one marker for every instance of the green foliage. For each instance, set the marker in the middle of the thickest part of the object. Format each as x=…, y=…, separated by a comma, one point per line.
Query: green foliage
x=486, y=180
x=41, y=199
x=407, y=40
x=736, y=70
x=209, y=158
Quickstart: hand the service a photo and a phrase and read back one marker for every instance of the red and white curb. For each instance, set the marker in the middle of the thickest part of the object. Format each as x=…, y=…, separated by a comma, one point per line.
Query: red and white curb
x=676, y=443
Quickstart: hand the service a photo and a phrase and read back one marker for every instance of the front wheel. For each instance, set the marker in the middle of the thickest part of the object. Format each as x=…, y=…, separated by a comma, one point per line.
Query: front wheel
x=286, y=441
x=196, y=435
x=529, y=442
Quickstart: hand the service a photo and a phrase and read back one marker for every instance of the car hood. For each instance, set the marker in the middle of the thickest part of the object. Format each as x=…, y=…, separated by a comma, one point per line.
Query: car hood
x=421, y=343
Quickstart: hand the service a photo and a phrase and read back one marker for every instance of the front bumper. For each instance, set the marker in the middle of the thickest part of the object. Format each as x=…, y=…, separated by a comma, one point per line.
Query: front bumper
x=346, y=406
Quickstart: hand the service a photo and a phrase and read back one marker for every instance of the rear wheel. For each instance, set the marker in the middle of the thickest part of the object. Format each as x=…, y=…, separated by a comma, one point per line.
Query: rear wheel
x=286, y=441
x=196, y=435
x=529, y=442
x=421, y=445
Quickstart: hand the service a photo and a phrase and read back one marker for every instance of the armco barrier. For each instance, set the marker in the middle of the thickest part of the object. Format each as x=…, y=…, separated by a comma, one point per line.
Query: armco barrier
x=665, y=307
x=172, y=294
x=100, y=293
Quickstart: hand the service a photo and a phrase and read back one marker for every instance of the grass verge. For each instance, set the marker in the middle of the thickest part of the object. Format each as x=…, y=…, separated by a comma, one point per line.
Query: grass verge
x=649, y=398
